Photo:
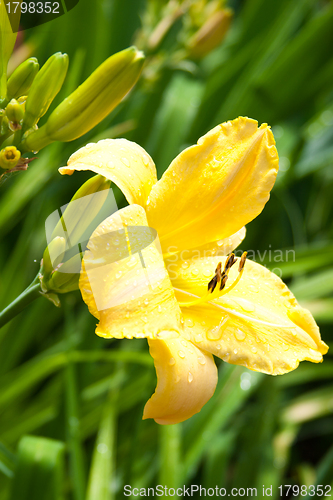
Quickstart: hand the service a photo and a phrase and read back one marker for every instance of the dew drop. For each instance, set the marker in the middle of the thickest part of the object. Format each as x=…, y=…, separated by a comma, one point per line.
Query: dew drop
x=181, y=354
x=207, y=273
x=198, y=337
x=118, y=274
x=201, y=360
x=127, y=315
x=239, y=335
x=190, y=377
x=235, y=351
x=216, y=332
x=285, y=347
x=218, y=346
x=159, y=309
x=189, y=323
x=185, y=265
x=195, y=272
x=110, y=164
x=220, y=243
x=172, y=361
x=254, y=349
x=135, y=283
x=146, y=302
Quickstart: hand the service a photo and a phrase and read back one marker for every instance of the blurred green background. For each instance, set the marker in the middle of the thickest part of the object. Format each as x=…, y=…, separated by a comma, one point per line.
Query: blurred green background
x=79, y=397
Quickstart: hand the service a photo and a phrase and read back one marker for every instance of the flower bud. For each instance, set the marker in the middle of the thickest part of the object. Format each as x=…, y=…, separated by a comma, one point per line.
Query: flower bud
x=81, y=211
x=20, y=81
x=53, y=255
x=90, y=102
x=15, y=114
x=9, y=157
x=62, y=280
x=44, y=88
x=211, y=34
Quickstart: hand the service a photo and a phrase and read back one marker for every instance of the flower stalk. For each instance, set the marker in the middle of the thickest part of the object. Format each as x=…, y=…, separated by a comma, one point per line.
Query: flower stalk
x=31, y=293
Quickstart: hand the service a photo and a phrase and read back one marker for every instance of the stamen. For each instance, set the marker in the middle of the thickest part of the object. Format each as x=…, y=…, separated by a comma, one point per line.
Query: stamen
x=223, y=281
x=220, y=278
x=217, y=278
x=242, y=262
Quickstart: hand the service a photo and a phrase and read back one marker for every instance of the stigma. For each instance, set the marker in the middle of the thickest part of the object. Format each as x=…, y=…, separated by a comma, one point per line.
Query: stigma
x=217, y=285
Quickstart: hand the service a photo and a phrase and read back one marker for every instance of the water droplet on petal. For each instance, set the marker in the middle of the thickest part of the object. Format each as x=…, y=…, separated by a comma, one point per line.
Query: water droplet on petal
x=185, y=265
x=216, y=332
x=195, y=272
x=201, y=360
x=235, y=351
x=146, y=302
x=239, y=335
x=190, y=377
x=159, y=309
x=254, y=349
x=110, y=164
x=189, y=323
x=181, y=354
x=172, y=361
x=118, y=274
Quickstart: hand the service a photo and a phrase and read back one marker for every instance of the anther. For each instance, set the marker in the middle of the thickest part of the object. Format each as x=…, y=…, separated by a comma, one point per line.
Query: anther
x=229, y=262
x=223, y=281
x=217, y=278
x=242, y=262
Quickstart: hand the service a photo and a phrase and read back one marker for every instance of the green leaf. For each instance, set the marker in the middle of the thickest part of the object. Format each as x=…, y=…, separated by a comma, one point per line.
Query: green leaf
x=39, y=472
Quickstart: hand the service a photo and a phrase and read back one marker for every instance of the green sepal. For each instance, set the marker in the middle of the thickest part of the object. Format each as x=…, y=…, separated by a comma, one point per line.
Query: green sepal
x=21, y=80
x=44, y=88
x=90, y=102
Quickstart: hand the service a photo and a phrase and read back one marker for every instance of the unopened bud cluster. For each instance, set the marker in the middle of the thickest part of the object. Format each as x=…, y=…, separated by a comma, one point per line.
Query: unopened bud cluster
x=29, y=92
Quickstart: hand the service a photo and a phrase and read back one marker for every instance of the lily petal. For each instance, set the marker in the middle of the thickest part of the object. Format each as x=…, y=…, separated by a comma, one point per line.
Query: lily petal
x=186, y=380
x=214, y=248
x=211, y=190
x=123, y=162
x=258, y=324
x=124, y=281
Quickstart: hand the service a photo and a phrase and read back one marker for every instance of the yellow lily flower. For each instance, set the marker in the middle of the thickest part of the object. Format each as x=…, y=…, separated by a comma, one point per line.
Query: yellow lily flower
x=182, y=295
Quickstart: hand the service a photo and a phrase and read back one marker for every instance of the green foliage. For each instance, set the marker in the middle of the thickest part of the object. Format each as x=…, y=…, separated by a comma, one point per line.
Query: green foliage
x=83, y=396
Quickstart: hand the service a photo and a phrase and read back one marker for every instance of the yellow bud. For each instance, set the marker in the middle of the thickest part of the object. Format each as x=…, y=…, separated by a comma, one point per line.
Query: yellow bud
x=90, y=102
x=211, y=34
x=9, y=157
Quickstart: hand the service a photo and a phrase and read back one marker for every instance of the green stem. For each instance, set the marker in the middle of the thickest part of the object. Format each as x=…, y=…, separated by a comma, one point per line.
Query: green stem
x=29, y=295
